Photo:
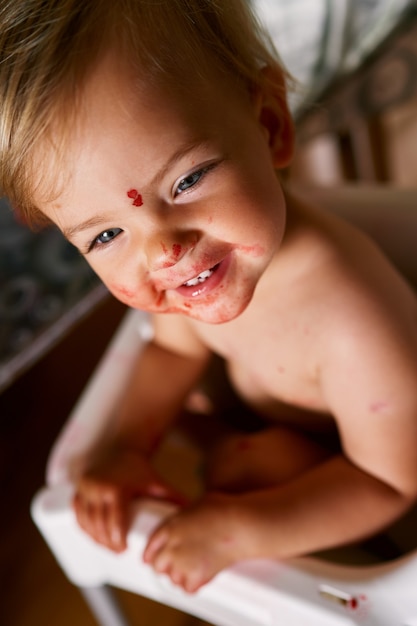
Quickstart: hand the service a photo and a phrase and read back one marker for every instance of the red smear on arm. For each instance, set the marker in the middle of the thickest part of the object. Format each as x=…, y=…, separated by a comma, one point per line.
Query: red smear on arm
x=379, y=406
x=135, y=196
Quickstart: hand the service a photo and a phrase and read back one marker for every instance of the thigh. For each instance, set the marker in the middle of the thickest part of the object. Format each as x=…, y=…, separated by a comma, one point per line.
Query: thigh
x=246, y=461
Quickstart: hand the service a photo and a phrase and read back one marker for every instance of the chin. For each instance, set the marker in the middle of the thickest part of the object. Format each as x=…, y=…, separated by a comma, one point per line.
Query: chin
x=215, y=313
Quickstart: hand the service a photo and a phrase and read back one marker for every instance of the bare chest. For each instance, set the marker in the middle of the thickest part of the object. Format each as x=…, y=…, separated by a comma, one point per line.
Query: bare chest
x=272, y=360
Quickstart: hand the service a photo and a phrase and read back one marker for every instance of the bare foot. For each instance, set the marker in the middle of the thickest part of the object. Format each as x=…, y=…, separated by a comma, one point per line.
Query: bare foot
x=197, y=543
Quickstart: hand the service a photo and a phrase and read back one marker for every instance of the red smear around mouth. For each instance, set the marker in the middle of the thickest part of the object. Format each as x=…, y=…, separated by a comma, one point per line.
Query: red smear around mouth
x=134, y=195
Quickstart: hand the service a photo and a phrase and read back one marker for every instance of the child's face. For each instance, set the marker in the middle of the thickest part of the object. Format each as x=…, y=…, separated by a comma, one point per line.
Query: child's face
x=174, y=201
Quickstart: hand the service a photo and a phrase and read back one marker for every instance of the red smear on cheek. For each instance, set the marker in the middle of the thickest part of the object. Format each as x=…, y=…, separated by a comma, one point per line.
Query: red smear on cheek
x=122, y=292
x=134, y=195
x=255, y=250
x=159, y=299
x=176, y=250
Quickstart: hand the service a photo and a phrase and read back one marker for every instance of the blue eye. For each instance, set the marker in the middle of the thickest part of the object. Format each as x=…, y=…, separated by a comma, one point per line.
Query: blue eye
x=195, y=178
x=190, y=181
x=104, y=238
x=108, y=235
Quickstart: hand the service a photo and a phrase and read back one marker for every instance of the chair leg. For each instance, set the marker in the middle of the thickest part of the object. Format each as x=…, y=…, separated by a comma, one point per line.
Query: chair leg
x=104, y=606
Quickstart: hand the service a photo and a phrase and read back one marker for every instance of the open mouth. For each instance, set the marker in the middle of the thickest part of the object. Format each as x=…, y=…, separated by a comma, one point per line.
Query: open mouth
x=201, y=278
x=205, y=282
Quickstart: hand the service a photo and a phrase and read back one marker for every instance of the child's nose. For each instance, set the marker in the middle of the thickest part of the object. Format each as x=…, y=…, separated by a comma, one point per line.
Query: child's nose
x=166, y=250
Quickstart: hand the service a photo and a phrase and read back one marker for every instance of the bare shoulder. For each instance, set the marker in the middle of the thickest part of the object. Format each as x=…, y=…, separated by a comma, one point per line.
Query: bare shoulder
x=175, y=333
x=368, y=369
x=366, y=348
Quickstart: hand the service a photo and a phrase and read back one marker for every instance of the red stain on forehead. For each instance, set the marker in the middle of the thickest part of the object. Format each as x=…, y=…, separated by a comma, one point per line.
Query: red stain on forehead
x=135, y=196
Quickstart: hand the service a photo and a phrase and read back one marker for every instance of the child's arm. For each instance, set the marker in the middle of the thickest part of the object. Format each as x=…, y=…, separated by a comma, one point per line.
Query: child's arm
x=160, y=382
x=373, y=394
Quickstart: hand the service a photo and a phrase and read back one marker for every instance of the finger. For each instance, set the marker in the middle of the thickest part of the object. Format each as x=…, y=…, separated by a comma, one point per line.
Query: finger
x=99, y=514
x=111, y=519
x=117, y=525
x=82, y=512
x=92, y=515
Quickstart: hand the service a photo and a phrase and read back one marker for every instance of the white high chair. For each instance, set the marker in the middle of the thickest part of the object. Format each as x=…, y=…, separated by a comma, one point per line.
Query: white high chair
x=300, y=592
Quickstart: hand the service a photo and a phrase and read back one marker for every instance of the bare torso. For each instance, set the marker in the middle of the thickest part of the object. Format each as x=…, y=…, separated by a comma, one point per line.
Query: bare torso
x=277, y=349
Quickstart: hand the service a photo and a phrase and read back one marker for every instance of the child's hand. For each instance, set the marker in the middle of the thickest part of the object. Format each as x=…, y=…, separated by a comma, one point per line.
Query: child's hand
x=104, y=493
x=192, y=546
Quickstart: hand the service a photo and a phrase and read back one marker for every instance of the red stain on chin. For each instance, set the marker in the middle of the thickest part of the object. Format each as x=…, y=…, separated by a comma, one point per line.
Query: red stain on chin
x=134, y=195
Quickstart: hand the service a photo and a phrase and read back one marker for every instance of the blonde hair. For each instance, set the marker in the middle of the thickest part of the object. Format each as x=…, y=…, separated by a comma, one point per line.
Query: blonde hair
x=48, y=48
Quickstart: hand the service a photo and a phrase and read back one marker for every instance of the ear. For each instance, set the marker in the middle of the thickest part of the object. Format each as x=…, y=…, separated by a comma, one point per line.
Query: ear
x=269, y=100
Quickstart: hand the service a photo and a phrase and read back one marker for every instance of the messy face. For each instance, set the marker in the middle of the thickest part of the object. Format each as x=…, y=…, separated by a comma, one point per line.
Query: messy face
x=173, y=201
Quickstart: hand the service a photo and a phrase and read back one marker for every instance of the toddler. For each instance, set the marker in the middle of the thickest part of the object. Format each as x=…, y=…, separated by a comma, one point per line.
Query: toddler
x=152, y=133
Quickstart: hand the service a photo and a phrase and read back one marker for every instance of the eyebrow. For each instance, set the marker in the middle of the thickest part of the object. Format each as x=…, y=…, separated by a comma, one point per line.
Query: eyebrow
x=160, y=174
x=91, y=223
x=177, y=156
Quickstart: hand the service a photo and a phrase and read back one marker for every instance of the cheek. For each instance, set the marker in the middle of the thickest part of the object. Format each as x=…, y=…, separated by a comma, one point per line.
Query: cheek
x=140, y=298
x=254, y=251
x=122, y=293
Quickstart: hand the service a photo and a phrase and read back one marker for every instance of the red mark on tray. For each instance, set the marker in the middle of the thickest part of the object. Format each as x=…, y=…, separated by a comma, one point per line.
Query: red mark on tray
x=134, y=195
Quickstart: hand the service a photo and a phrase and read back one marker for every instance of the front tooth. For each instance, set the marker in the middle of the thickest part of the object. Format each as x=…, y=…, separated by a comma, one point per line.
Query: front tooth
x=198, y=279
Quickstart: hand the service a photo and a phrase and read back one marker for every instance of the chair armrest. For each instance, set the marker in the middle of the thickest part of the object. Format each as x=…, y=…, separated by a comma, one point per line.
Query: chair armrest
x=88, y=423
x=254, y=593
